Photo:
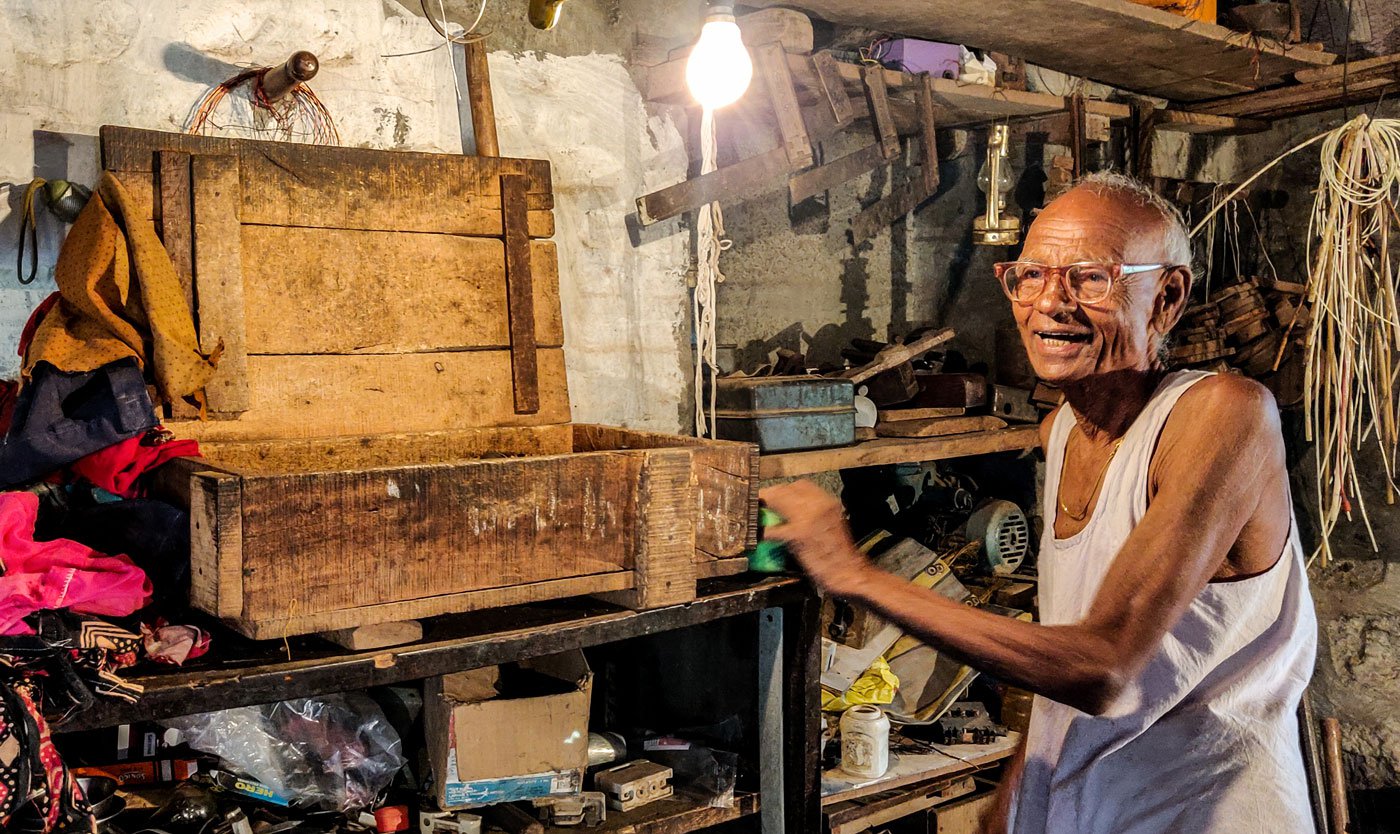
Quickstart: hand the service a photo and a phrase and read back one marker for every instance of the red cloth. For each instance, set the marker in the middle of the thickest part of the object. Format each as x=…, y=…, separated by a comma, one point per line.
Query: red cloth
x=60, y=573
x=119, y=467
x=27, y=334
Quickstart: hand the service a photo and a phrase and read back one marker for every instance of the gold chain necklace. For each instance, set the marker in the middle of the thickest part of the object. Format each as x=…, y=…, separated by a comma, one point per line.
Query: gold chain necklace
x=1084, y=511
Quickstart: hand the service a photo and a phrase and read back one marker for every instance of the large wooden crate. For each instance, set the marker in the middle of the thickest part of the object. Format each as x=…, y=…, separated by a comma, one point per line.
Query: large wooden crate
x=389, y=434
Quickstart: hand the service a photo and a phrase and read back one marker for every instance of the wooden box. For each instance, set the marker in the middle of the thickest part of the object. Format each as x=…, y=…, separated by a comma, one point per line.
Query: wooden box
x=389, y=431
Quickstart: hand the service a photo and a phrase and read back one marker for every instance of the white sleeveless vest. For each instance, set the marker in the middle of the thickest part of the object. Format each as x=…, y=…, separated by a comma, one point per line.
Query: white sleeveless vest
x=1205, y=739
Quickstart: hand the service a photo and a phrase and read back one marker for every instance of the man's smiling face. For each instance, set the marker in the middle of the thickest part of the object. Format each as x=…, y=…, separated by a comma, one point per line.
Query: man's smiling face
x=1068, y=342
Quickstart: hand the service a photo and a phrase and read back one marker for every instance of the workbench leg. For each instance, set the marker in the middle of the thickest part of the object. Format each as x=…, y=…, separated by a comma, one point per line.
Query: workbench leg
x=801, y=717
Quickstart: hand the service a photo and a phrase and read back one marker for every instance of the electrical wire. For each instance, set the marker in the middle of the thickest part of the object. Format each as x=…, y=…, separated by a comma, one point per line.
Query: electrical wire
x=441, y=28
x=301, y=115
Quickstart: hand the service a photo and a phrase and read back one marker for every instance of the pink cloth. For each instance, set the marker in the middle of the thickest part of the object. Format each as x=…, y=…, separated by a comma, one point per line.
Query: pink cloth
x=59, y=573
x=118, y=467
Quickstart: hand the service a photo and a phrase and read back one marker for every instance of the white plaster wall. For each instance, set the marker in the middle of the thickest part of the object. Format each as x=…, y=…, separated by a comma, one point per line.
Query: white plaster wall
x=625, y=321
x=70, y=66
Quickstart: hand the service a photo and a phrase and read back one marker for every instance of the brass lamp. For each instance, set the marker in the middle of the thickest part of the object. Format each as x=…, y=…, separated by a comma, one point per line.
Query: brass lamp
x=995, y=228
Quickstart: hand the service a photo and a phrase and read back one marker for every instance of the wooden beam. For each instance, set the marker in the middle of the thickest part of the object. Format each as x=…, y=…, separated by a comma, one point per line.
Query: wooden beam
x=887, y=451
x=777, y=80
x=899, y=202
x=1171, y=57
x=218, y=275
x=733, y=183
x=1318, y=89
x=520, y=295
x=833, y=88
x=927, y=135
x=483, y=107
x=878, y=95
x=825, y=177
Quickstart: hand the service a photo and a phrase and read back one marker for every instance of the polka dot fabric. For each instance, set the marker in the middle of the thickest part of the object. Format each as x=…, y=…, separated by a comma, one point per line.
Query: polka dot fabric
x=120, y=297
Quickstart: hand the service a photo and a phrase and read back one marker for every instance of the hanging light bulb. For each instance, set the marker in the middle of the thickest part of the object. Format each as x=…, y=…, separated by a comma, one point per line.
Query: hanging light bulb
x=719, y=70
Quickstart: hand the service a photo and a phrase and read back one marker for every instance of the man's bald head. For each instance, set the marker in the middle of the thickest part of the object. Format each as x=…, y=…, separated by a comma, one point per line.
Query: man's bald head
x=1136, y=205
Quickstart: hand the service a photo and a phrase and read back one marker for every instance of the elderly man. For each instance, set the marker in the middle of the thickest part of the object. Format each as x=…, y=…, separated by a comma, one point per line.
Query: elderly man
x=1176, y=630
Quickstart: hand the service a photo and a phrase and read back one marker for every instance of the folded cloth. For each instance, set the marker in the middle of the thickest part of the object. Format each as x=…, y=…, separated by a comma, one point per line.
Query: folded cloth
x=121, y=298
x=173, y=644
x=60, y=417
x=154, y=534
x=59, y=573
x=119, y=467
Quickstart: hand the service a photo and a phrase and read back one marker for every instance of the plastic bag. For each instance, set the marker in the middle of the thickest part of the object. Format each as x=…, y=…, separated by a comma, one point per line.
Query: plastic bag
x=333, y=752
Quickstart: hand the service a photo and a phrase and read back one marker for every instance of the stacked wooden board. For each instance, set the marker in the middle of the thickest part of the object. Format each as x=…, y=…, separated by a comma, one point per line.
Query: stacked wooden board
x=1255, y=326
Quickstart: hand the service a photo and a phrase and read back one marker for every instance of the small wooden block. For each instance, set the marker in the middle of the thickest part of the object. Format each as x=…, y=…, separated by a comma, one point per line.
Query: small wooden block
x=938, y=426
x=377, y=636
x=865, y=433
x=894, y=415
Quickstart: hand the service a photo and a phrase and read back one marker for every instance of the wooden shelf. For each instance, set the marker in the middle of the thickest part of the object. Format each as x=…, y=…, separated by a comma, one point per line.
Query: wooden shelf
x=890, y=450
x=1153, y=51
x=1359, y=82
x=240, y=672
x=952, y=761
x=677, y=815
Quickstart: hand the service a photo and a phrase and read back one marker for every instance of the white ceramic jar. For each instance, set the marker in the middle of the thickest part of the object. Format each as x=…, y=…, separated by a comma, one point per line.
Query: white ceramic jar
x=865, y=742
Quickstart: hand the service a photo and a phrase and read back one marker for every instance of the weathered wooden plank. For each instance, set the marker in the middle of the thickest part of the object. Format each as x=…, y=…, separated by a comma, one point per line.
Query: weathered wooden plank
x=810, y=183
x=726, y=474
x=341, y=291
x=777, y=80
x=520, y=297
x=735, y=183
x=175, y=219
x=218, y=274
x=465, y=602
x=878, y=96
x=938, y=426
x=216, y=543
x=878, y=216
x=833, y=88
x=1299, y=99
x=262, y=674
x=254, y=457
x=1173, y=57
x=377, y=636
x=857, y=817
x=289, y=184
x=887, y=451
x=328, y=396
x=664, y=545
x=479, y=99
x=419, y=532
x=928, y=141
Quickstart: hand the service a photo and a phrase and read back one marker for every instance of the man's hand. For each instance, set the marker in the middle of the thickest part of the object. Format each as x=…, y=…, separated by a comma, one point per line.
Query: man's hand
x=815, y=530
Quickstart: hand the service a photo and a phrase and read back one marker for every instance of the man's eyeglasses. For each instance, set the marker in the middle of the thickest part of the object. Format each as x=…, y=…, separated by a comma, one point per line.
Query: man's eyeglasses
x=1085, y=283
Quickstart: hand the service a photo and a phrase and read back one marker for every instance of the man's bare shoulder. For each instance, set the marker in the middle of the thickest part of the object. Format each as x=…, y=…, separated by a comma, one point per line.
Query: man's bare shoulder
x=1224, y=413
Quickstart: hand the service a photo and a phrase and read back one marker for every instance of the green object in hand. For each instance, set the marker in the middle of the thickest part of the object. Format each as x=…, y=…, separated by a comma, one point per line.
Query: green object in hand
x=768, y=556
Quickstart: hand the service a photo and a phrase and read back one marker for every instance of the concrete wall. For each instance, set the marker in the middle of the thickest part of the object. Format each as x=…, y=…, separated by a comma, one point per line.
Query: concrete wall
x=74, y=65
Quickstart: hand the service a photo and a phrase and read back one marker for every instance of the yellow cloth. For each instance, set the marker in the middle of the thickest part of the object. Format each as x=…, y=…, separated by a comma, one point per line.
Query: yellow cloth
x=121, y=297
x=876, y=685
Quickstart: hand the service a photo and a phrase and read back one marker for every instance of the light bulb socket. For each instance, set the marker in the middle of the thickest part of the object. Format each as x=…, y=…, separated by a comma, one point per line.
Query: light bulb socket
x=719, y=14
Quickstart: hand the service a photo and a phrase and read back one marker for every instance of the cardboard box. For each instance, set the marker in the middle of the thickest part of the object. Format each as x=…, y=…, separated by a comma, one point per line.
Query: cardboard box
x=504, y=734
